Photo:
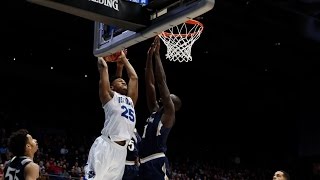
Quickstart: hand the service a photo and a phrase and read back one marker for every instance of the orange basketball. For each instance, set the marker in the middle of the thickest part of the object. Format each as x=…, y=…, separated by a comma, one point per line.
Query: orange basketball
x=113, y=57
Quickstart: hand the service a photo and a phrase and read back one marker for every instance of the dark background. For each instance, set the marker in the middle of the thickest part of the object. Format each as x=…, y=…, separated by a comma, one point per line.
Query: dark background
x=251, y=90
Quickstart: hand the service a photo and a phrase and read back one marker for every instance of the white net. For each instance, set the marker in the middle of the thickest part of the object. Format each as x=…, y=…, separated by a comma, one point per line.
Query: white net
x=179, y=40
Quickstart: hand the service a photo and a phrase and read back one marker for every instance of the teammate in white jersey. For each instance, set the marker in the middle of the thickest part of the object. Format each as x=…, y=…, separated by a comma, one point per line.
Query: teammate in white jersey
x=107, y=156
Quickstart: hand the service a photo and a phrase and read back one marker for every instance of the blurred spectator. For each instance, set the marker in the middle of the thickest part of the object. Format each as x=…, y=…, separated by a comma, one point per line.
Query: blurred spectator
x=1, y=170
x=64, y=150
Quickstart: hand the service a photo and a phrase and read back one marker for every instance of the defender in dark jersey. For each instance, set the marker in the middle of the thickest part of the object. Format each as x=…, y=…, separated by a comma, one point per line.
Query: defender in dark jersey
x=154, y=163
x=21, y=166
x=131, y=171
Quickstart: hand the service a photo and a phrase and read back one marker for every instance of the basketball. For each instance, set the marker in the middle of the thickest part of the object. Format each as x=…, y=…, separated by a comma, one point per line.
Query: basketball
x=113, y=57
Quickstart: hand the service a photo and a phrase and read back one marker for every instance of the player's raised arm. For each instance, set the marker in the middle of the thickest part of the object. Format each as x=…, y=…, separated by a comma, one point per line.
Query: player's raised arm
x=150, y=82
x=168, y=116
x=120, y=66
x=105, y=92
x=133, y=78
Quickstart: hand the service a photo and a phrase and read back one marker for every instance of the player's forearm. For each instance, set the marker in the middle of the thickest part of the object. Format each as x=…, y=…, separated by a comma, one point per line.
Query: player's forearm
x=104, y=76
x=104, y=84
x=161, y=79
x=160, y=74
x=149, y=75
x=130, y=70
x=119, y=70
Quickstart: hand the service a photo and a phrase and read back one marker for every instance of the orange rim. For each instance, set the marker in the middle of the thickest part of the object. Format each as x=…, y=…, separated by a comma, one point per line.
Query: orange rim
x=190, y=21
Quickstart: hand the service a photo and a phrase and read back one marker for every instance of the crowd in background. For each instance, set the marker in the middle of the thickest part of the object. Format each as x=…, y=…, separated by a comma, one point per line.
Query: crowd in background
x=63, y=157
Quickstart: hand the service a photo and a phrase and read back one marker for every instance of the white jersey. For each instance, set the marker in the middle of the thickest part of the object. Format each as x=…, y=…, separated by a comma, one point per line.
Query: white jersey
x=120, y=118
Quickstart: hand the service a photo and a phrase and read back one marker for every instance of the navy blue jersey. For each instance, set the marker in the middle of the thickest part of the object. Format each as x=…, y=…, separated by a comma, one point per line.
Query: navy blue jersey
x=154, y=138
x=154, y=163
x=15, y=168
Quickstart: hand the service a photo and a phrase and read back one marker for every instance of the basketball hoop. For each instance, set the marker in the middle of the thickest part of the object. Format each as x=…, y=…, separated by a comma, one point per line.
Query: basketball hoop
x=179, y=40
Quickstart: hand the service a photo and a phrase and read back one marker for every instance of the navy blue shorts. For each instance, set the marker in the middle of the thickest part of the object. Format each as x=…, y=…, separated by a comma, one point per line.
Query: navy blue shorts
x=131, y=172
x=156, y=169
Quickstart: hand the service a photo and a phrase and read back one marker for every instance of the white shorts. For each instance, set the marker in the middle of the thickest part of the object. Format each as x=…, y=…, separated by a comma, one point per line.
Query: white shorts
x=106, y=160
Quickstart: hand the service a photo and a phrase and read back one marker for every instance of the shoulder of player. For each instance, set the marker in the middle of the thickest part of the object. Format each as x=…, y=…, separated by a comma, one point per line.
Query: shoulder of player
x=32, y=171
x=32, y=167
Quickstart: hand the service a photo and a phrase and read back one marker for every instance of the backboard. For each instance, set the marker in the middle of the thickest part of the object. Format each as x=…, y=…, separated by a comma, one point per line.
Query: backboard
x=109, y=39
x=120, y=24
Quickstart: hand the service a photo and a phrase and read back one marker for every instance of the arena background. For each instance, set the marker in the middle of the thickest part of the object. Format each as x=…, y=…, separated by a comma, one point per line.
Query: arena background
x=251, y=90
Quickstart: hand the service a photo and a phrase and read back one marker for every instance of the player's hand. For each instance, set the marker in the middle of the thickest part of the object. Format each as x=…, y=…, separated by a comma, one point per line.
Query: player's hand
x=123, y=53
x=122, y=56
x=151, y=49
x=156, y=45
x=101, y=63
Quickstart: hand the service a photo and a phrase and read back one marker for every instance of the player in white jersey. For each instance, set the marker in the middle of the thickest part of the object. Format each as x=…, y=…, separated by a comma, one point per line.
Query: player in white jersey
x=107, y=156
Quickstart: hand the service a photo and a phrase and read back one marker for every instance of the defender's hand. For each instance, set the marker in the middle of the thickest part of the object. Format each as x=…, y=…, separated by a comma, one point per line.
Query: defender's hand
x=152, y=48
x=156, y=44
